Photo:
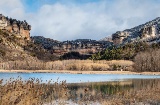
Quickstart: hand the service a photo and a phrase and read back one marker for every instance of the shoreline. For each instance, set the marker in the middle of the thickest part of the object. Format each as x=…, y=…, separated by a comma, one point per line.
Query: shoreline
x=79, y=72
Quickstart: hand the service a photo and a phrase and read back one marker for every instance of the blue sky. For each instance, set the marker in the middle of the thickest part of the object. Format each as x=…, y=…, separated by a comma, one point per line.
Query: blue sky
x=34, y=5
x=75, y=19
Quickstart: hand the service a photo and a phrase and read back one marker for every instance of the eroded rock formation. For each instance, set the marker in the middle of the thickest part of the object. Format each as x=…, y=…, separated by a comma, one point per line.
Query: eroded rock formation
x=119, y=36
x=21, y=28
x=147, y=31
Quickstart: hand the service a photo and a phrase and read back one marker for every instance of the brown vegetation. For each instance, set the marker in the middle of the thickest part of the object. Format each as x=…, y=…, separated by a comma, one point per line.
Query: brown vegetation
x=14, y=48
x=80, y=65
x=34, y=92
x=148, y=61
x=31, y=92
x=148, y=94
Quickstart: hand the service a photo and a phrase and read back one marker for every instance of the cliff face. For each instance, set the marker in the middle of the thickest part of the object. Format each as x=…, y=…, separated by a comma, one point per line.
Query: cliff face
x=83, y=46
x=20, y=28
x=144, y=32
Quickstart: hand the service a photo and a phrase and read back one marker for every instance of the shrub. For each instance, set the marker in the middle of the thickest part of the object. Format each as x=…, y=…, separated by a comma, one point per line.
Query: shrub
x=147, y=61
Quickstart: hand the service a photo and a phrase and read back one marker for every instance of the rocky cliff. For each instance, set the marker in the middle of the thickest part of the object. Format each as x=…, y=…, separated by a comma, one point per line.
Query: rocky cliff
x=149, y=31
x=20, y=28
x=83, y=46
x=15, y=42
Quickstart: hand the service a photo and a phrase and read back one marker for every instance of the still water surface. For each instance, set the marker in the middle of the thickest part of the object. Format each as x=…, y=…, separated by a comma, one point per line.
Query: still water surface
x=76, y=78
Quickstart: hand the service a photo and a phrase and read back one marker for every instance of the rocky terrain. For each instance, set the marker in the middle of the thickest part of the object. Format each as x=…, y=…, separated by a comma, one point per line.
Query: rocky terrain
x=83, y=46
x=15, y=42
x=149, y=32
x=20, y=28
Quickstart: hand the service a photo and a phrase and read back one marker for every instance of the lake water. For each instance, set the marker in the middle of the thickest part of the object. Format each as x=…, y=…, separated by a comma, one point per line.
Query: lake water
x=76, y=78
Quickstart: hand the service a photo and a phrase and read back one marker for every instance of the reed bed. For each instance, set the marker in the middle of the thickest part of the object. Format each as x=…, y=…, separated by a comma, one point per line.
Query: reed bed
x=31, y=92
x=34, y=92
x=79, y=65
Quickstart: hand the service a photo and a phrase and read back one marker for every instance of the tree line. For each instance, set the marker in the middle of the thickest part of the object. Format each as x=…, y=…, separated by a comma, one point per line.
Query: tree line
x=125, y=52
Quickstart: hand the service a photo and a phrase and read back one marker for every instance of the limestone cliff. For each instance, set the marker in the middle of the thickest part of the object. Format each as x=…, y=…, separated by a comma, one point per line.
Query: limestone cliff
x=83, y=46
x=15, y=42
x=146, y=32
x=20, y=28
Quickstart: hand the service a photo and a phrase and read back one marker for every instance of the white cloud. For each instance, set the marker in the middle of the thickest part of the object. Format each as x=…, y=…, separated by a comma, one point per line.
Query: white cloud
x=89, y=20
x=67, y=22
x=12, y=8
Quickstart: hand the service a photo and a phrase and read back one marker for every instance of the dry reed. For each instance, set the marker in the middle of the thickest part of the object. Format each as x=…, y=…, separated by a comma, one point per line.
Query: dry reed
x=82, y=65
x=34, y=92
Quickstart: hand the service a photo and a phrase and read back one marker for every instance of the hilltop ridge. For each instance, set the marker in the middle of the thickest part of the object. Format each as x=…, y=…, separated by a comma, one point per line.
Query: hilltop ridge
x=149, y=32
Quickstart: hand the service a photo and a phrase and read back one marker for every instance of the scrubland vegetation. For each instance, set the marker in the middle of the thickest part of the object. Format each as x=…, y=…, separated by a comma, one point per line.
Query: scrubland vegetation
x=13, y=48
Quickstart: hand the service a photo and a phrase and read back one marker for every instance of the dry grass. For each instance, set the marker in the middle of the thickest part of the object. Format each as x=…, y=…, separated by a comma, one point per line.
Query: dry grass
x=120, y=62
x=33, y=92
x=146, y=96
x=149, y=94
x=125, y=65
x=79, y=65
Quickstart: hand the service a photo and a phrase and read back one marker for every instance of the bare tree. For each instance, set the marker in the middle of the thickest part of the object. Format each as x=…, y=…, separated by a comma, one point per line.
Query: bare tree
x=148, y=61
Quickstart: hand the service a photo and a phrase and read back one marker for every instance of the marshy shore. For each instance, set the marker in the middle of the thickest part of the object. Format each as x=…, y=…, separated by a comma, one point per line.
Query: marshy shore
x=73, y=67
x=79, y=72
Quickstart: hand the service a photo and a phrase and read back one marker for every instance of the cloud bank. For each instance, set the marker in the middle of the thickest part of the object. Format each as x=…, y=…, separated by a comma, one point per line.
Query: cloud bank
x=92, y=20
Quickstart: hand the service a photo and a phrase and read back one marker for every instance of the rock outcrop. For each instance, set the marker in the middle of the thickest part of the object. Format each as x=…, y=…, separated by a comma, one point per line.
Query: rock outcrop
x=20, y=28
x=147, y=31
x=83, y=46
x=119, y=36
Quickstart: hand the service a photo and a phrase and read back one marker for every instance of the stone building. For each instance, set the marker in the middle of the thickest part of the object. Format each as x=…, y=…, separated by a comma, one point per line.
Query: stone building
x=21, y=28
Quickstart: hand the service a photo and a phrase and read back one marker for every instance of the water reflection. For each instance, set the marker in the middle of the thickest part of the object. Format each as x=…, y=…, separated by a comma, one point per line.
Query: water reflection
x=107, y=89
x=76, y=78
x=33, y=91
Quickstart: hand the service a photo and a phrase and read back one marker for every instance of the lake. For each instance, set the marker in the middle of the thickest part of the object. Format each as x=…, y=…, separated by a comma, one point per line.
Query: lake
x=76, y=78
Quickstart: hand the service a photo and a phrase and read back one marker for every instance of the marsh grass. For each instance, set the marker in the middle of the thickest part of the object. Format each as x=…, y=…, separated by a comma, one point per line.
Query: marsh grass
x=78, y=65
x=145, y=92
x=31, y=92
x=34, y=92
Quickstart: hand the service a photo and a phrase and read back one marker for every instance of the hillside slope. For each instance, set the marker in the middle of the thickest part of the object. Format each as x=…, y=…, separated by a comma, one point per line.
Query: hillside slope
x=16, y=48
